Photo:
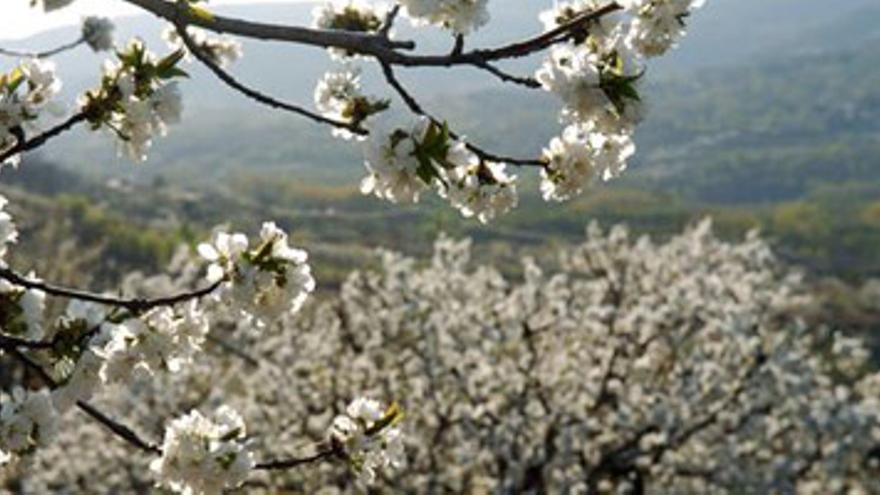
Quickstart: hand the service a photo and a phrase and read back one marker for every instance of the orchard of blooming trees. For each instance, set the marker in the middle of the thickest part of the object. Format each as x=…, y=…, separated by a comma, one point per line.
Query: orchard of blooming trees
x=629, y=367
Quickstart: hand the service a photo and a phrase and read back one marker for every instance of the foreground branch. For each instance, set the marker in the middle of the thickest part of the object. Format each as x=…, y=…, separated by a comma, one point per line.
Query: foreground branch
x=414, y=106
x=43, y=54
x=135, y=305
x=253, y=94
x=374, y=45
x=41, y=139
x=324, y=451
x=117, y=428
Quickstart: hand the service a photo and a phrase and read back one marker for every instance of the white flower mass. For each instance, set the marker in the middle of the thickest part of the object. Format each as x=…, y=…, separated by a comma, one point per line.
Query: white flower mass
x=459, y=16
x=263, y=283
x=26, y=94
x=204, y=455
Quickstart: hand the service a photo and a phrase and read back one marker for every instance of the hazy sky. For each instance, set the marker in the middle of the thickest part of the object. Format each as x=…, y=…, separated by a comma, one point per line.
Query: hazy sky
x=18, y=19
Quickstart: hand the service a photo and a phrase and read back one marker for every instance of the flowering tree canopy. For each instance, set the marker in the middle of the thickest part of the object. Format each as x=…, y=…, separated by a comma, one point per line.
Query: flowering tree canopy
x=675, y=367
x=631, y=367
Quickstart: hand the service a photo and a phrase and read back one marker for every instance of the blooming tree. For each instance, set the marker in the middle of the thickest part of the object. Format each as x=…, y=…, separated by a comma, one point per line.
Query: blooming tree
x=626, y=367
x=636, y=366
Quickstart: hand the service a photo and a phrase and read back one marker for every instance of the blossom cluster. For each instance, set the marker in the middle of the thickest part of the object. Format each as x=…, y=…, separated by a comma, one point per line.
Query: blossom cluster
x=162, y=339
x=137, y=100
x=458, y=16
x=204, y=455
x=97, y=32
x=596, y=76
x=25, y=93
x=404, y=162
x=28, y=420
x=8, y=230
x=93, y=347
x=370, y=438
x=595, y=72
x=339, y=96
x=262, y=283
x=222, y=50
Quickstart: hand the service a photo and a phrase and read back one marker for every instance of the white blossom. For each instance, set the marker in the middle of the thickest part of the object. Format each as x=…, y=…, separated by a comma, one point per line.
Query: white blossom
x=222, y=50
x=263, y=283
x=579, y=157
x=22, y=310
x=98, y=33
x=204, y=455
x=27, y=420
x=370, y=437
x=459, y=16
x=8, y=230
x=480, y=189
x=393, y=169
x=658, y=24
x=25, y=93
x=163, y=339
x=338, y=96
x=136, y=101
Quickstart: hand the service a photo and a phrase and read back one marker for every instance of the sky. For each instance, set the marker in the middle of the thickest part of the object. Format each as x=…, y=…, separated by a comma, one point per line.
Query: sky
x=19, y=20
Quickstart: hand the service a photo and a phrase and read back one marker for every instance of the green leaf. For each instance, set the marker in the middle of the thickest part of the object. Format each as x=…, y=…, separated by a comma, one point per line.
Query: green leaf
x=200, y=12
x=171, y=60
x=14, y=80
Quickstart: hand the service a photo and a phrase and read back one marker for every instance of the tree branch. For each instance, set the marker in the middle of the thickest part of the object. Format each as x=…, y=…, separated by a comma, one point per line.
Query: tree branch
x=375, y=45
x=10, y=343
x=324, y=452
x=41, y=139
x=43, y=54
x=255, y=95
x=135, y=305
x=416, y=108
x=114, y=426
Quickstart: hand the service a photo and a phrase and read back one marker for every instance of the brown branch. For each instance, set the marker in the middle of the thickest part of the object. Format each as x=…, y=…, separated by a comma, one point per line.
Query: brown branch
x=43, y=54
x=233, y=349
x=135, y=305
x=362, y=43
x=41, y=139
x=255, y=95
x=376, y=45
x=416, y=108
x=10, y=343
x=114, y=426
x=324, y=452
x=119, y=429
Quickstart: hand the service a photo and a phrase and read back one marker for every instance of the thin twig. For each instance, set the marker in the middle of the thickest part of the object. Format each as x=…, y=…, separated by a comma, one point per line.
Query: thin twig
x=114, y=426
x=529, y=82
x=416, y=108
x=44, y=54
x=232, y=349
x=388, y=24
x=135, y=305
x=255, y=95
x=40, y=139
x=119, y=429
x=10, y=342
x=325, y=451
